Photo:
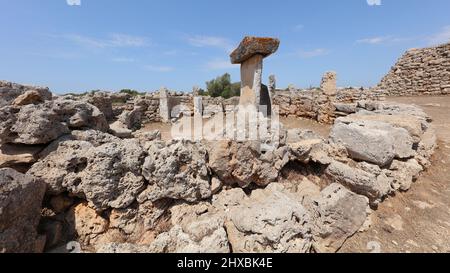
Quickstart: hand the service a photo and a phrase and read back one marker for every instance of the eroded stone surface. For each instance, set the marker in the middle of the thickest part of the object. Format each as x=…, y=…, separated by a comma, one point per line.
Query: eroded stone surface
x=252, y=46
x=20, y=211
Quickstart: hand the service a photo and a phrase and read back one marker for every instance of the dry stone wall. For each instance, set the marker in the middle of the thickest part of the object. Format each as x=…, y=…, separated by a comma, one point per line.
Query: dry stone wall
x=420, y=72
x=141, y=194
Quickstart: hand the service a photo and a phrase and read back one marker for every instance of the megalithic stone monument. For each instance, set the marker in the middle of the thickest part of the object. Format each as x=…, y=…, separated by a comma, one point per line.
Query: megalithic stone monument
x=250, y=54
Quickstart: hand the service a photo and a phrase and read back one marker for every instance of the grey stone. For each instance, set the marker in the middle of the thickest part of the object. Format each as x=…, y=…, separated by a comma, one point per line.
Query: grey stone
x=21, y=199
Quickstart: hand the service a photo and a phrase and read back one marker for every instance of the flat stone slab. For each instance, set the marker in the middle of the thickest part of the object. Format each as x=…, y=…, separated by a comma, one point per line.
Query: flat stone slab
x=252, y=46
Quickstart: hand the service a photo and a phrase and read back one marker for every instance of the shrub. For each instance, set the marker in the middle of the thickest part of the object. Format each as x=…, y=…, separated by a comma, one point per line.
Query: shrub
x=222, y=87
x=131, y=92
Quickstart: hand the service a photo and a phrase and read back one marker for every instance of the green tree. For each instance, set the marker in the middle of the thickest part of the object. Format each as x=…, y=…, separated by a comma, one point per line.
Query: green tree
x=222, y=87
x=131, y=92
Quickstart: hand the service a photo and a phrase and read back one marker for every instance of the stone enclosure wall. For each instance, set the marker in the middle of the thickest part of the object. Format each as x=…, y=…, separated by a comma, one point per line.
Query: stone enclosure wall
x=420, y=72
x=133, y=192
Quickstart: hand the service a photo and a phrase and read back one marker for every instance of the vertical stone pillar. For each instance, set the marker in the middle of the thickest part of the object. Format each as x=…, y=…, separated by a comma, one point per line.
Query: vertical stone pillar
x=329, y=85
x=198, y=101
x=251, y=80
x=272, y=84
x=164, y=107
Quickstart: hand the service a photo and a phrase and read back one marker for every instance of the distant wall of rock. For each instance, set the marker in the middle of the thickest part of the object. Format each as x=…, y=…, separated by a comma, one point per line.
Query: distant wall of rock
x=317, y=105
x=420, y=72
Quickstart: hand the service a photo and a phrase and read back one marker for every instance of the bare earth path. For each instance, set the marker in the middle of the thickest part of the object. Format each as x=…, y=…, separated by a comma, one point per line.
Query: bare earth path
x=419, y=220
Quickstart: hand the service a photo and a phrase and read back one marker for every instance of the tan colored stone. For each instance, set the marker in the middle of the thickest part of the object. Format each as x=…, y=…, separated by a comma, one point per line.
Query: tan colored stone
x=251, y=73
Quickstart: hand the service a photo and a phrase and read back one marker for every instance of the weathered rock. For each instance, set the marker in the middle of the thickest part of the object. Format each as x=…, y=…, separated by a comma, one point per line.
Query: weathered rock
x=30, y=97
x=10, y=93
x=359, y=181
x=251, y=46
x=362, y=143
x=18, y=155
x=404, y=173
x=269, y=221
x=120, y=130
x=420, y=72
x=20, y=210
x=340, y=214
x=328, y=84
x=244, y=163
x=427, y=147
x=137, y=220
x=103, y=102
x=43, y=123
x=402, y=142
x=196, y=230
x=87, y=224
x=177, y=171
x=117, y=248
x=107, y=176
x=132, y=119
x=413, y=125
x=348, y=108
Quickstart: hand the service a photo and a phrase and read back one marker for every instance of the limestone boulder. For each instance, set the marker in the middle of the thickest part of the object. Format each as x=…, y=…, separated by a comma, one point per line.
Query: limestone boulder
x=362, y=143
x=16, y=156
x=251, y=46
x=339, y=214
x=177, y=170
x=42, y=123
x=16, y=94
x=412, y=124
x=269, y=221
x=361, y=182
x=107, y=176
x=86, y=223
x=244, y=163
x=404, y=173
x=196, y=229
x=21, y=199
x=31, y=97
x=132, y=119
x=373, y=141
x=103, y=102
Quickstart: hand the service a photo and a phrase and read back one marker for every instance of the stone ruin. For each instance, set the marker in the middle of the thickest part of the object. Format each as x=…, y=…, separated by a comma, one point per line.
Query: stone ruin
x=250, y=55
x=78, y=169
x=420, y=72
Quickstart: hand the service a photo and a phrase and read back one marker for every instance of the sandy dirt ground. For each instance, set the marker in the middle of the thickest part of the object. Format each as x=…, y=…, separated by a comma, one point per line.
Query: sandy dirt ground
x=418, y=220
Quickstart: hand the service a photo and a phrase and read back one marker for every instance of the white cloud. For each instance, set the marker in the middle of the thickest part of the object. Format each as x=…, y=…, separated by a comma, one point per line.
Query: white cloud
x=441, y=37
x=374, y=40
x=113, y=40
x=156, y=68
x=123, y=40
x=382, y=40
x=312, y=53
x=374, y=2
x=210, y=41
x=220, y=64
x=73, y=2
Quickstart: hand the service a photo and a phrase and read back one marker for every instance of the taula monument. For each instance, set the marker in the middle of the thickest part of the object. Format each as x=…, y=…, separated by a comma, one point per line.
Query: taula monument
x=250, y=55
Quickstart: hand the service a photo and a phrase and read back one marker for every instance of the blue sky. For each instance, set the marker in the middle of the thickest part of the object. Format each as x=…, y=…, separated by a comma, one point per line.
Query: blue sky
x=146, y=44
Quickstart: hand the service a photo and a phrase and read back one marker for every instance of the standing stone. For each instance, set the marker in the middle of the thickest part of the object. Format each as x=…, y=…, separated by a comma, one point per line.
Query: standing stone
x=272, y=83
x=250, y=55
x=329, y=85
x=198, y=101
x=164, y=108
